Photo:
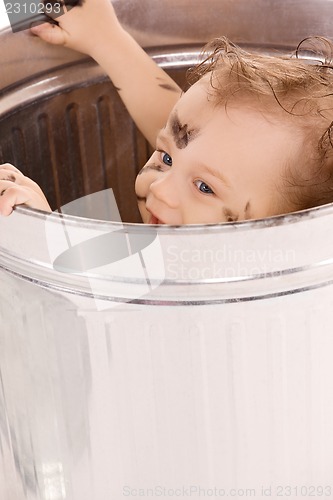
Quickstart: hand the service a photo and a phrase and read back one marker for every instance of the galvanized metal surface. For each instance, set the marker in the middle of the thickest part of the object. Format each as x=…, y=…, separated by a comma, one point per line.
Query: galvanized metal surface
x=105, y=386
x=265, y=23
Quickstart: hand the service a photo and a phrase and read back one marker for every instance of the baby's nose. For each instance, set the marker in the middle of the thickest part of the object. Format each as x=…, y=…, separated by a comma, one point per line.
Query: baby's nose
x=165, y=190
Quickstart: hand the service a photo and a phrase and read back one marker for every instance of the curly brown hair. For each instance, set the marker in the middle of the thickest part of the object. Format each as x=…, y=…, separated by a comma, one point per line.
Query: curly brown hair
x=298, y=88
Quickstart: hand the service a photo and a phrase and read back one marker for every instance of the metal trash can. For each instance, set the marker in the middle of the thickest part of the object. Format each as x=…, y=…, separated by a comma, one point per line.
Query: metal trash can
x=196, y=364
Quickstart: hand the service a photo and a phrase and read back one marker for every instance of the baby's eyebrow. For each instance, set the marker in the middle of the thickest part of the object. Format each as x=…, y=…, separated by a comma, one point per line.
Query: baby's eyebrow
x=182, y=134
x=215, y=172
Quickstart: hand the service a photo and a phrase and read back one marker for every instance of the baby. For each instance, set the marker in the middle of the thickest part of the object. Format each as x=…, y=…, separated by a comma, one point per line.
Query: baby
x=251, y=138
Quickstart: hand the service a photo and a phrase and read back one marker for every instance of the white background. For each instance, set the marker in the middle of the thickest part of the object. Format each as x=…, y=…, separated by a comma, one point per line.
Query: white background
x=3, y=16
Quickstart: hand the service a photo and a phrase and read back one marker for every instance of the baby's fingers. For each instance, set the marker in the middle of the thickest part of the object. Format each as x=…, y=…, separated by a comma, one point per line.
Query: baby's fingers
x=12, y=195
x=50, y=33
x=10, y=173
x=9, y=166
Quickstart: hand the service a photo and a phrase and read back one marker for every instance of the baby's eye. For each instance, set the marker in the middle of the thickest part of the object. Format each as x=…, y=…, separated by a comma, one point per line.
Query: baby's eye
x=166, y=159
x=203, y=187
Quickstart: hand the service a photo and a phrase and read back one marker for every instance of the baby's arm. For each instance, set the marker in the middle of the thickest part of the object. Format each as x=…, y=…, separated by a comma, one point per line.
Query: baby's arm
x=146, y=90
x=16, y=189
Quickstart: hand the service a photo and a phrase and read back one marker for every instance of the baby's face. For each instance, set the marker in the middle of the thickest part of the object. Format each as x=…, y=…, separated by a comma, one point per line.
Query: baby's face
x=213, y=164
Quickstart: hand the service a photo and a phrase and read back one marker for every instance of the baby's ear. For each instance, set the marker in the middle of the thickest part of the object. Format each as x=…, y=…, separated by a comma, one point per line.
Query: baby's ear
x=50, y=33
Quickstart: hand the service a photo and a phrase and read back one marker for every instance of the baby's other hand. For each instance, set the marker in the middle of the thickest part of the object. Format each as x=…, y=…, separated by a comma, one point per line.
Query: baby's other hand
x=17, y=189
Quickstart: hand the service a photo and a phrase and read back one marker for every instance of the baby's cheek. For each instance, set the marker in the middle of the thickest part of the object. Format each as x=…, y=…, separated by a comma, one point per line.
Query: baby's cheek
x=141, y=190
x=140, y=186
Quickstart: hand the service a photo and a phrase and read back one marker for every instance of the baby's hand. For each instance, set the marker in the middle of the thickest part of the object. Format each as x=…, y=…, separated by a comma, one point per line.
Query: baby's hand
x=17, y=189
x=82, y=28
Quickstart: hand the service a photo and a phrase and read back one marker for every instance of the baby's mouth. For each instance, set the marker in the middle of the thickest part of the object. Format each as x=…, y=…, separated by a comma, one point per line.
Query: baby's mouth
x=154, y=220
